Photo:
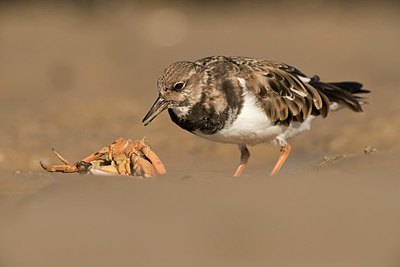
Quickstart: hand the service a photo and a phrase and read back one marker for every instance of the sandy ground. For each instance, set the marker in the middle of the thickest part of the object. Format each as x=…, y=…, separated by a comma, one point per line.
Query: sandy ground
x=76, y=79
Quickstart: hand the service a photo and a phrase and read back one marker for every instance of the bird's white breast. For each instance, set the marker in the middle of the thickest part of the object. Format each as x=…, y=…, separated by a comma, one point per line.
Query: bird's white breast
x=250, y=127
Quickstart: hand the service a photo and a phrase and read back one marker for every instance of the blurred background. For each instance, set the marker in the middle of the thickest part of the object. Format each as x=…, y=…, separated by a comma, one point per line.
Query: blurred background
x=75, y=75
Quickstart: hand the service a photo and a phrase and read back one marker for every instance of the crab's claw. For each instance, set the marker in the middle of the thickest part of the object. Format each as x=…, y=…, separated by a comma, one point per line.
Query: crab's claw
x=67, y=167
x=59, y=168
x=45, y=167
x=143, y=167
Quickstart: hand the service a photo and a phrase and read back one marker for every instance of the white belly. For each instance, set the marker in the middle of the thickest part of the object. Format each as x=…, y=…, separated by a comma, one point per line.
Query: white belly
x=253, y=127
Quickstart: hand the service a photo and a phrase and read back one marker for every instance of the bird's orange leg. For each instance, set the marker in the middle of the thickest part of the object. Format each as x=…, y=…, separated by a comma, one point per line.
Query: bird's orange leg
x=285, y=151
x=244, y=158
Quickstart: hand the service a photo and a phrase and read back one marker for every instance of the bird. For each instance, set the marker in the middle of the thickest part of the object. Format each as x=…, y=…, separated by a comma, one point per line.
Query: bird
x=248, y=101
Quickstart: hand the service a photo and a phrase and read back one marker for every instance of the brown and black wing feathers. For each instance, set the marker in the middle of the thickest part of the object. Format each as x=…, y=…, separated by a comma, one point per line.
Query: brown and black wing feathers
x=282, y=92
x=284, y=95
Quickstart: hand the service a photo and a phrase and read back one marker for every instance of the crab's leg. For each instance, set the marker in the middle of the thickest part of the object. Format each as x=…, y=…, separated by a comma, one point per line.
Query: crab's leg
x=97, y=155
x=66, y=162
x=59, y=168
x=145, y=148
x=157, y=163
x=124, y=167
x=142, y=166
x=117, y=144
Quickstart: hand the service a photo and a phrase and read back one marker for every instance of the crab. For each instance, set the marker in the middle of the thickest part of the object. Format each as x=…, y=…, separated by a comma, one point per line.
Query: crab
x=122, y=157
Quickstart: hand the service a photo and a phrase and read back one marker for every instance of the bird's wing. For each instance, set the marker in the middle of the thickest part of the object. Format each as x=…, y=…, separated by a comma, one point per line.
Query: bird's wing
x=282, y=91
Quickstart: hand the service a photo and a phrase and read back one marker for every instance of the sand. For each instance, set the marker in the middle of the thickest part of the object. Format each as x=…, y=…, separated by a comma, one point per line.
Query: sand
x=77, y=78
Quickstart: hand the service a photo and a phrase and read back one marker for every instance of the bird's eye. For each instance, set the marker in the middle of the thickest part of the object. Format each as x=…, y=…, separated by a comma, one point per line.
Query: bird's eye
x=179, y=85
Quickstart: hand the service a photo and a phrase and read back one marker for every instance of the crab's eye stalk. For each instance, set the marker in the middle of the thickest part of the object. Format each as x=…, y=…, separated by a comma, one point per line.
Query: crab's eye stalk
x=179, y=85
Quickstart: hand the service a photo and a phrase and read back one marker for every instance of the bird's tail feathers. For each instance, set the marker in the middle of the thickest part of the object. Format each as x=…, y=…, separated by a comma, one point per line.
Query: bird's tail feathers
x=342, y=93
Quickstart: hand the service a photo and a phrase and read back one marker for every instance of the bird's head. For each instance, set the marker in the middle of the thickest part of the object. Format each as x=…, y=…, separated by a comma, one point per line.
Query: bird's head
x=177, y=87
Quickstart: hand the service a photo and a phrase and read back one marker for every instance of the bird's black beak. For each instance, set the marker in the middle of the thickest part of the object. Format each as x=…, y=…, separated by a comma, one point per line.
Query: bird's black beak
x=159, y=106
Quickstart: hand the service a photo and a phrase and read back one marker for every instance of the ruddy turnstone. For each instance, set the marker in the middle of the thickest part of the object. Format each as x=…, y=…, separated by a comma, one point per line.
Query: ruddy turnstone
x=248, y=101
